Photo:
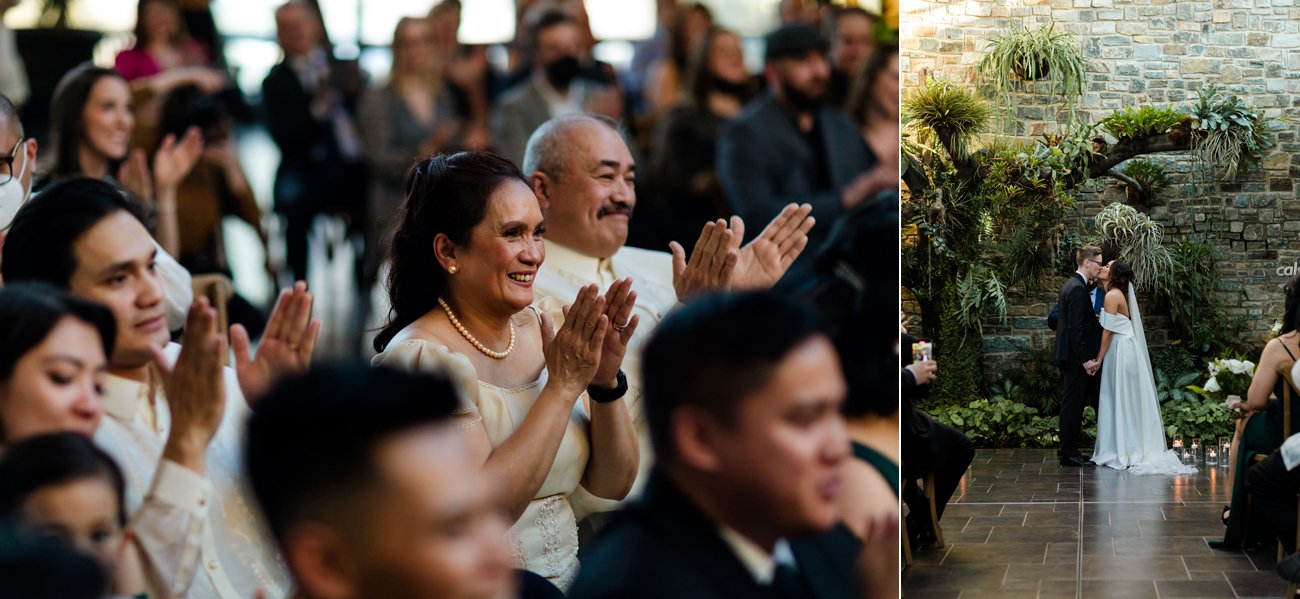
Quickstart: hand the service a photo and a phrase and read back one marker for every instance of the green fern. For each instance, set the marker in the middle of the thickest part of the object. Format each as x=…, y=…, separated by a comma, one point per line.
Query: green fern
x=979, y=291
x=956, y=115
x=1137, y=240
x=1134, y=123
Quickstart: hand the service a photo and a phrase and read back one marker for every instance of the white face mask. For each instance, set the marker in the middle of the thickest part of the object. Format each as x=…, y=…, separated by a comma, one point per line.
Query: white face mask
x=12, y=194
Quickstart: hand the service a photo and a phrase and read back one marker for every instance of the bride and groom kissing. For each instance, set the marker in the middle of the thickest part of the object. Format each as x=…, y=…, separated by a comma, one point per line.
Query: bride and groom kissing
x=1101, y=350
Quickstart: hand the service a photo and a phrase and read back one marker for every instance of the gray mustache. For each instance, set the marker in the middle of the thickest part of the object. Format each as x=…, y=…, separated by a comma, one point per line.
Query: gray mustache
x=614, y=209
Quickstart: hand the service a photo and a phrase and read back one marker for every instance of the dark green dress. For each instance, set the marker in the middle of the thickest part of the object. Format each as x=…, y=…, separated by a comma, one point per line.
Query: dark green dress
x=1261, y=436
x=877, y=460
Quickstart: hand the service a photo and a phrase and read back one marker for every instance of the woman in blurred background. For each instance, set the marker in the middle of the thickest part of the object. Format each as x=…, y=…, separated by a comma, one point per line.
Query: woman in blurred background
x=685, y=142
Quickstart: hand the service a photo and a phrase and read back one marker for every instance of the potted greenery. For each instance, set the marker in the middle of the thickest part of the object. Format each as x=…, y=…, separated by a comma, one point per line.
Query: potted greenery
x=1042, y=54
x=50, y=50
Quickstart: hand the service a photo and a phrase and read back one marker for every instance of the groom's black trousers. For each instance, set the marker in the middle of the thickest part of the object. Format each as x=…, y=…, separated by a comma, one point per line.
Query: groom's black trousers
x=1272, y=491
x=1075, y=390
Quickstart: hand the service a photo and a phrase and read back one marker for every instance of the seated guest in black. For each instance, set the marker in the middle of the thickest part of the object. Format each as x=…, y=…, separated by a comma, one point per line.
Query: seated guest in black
x=371, y=492
x=743, y=396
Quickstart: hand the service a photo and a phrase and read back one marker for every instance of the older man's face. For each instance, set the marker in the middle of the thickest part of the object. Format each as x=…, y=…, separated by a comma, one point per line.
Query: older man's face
x=16, y=174
x=589, y=202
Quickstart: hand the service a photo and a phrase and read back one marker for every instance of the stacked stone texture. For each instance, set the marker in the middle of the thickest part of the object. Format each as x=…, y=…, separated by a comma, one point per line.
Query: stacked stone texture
x=1150, y=52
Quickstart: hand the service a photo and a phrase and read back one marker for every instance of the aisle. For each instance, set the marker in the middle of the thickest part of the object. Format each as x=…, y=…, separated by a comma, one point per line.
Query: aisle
x=1023, y=526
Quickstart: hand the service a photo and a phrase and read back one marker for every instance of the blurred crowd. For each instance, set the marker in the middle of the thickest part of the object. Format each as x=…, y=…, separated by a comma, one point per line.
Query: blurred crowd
x=636, y=327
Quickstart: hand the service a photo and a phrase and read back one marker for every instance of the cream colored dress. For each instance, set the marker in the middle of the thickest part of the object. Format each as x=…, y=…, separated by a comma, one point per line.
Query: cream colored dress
x=545, y=538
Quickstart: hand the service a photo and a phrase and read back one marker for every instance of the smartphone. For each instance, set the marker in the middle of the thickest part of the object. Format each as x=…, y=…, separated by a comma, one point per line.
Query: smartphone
x=922, y=351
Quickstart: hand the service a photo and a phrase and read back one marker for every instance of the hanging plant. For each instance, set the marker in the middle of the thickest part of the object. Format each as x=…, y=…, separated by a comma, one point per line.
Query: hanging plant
x=1042, y=54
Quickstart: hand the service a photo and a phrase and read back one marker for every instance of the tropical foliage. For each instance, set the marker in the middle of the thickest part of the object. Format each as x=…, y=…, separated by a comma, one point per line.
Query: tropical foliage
x=1025, y=55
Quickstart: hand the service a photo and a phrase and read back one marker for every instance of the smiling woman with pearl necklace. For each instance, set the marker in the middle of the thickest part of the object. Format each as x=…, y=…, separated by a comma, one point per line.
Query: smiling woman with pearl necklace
x=542, y=408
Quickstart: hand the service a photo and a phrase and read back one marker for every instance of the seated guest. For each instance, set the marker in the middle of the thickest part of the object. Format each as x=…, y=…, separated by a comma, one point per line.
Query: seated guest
x=873, y=104
x=555, y=87
x=410, y=117
x=928, y=447
x=851, y=42
x=175, y=415
x=1260, y=431
x=371, y=492
x=216, y=188
x=1272, y=485
x=54, y=352
x=542, y=411
x=61, y=486
x=584, y=178
x=16, y=165
x=90, y=131
x=665, y=80
x=310, y=100
x=790, y=145
x=685, y=141
x=743, y=395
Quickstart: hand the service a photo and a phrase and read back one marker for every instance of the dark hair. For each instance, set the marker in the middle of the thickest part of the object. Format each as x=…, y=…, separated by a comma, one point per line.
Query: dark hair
x=46, y=568
x=864, y=82
x=311, y=442
x=66, y=126
x=853, y=290
x=699, y=80
x=9, y=114
x=187, y=106
x=54, y=459
x=714, y=352
x=549, y=19
x=142, y=35
x=1121, y=276
x=1291, y=314
x=39, y=246
x=678, y=46
x=29, y=311
x=447, y=195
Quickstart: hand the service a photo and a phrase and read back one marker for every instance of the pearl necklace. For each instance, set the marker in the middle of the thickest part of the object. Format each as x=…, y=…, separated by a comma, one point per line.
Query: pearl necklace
x=497, y=355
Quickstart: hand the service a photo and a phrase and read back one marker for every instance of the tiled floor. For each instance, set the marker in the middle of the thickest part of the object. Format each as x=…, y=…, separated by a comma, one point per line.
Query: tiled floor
x=1022, y=526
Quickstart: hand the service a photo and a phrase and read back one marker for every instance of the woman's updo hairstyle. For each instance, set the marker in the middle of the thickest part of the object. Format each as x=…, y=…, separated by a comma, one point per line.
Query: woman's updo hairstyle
x=447, y=195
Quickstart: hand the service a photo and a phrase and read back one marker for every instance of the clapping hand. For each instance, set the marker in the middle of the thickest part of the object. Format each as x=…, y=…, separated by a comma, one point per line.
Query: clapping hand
x=195, y=388
x=175, y=159
x=763, y=261
x=574, y=353
x=712, y=263
x=286, y=345
x=619, y=301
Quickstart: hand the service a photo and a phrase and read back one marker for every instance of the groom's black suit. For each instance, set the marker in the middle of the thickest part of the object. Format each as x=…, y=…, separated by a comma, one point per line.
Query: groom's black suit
x=1078, y=339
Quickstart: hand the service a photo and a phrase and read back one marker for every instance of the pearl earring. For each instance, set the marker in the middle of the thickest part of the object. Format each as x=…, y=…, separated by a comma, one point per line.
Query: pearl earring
x=453, y=269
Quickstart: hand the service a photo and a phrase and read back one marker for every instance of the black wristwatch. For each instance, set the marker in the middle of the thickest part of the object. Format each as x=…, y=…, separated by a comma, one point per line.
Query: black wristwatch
x=600, y=395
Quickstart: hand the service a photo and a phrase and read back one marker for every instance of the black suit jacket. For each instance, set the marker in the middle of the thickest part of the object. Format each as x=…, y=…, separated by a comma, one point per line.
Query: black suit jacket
x=1078, y=332
x=765, y=163
x=311, y=166
x=663, y=546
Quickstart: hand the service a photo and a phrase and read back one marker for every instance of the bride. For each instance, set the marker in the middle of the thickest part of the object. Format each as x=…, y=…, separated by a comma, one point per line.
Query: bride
x=1129, y=432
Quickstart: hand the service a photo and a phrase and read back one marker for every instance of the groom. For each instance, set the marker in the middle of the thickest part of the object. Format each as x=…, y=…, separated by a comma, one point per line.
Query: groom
x=1078, y=339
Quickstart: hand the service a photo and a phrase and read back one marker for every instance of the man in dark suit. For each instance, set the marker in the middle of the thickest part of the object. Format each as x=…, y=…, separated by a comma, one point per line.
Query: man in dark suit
x=742, y=396
x=790, y=146
x=1078, y=338
x=310, y=99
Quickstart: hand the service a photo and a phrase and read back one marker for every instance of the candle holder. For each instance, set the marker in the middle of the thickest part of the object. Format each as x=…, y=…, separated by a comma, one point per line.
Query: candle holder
x=1196, y=449
x=1178, y=446
x=1211, y=457
x=1225, y=451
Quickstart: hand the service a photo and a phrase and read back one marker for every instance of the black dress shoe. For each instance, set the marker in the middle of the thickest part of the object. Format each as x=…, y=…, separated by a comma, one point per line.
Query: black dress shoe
x=1075, y=461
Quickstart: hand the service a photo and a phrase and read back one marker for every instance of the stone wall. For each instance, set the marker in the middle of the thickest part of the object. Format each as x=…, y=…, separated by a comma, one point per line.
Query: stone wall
x=1143, y=52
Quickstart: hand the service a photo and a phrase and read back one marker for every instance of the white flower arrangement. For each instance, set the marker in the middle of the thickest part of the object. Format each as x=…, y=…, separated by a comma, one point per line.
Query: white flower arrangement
x=1229, y=377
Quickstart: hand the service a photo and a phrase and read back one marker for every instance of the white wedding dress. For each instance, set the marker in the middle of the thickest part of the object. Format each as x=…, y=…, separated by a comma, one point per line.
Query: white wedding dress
x=1129, y=432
